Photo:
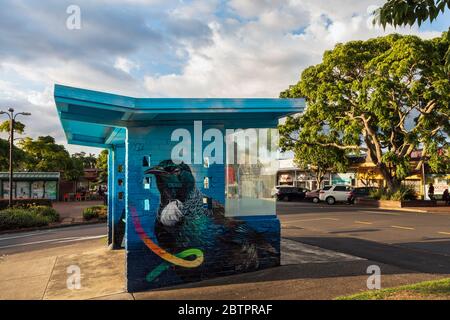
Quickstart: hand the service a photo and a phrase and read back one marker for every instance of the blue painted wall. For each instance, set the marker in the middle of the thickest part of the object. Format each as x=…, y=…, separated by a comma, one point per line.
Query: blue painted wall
x=118, y=202
x=220, y=241
x=110, y=220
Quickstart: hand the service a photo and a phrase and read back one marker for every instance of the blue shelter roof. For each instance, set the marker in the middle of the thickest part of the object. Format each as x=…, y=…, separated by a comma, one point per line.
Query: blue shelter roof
x=99, y=119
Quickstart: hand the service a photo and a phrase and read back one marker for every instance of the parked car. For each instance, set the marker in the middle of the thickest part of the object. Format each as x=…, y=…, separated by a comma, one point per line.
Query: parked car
x=313, y=196
x=363, y=192
x=288, y=193
x=336, y=193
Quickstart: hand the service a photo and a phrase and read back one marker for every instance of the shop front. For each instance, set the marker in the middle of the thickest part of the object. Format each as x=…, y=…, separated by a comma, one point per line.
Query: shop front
x=30, y=185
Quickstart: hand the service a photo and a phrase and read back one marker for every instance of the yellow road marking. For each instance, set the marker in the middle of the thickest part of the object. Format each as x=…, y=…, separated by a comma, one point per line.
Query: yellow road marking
x=404, y=228
x=363, y=222
x=446, y=233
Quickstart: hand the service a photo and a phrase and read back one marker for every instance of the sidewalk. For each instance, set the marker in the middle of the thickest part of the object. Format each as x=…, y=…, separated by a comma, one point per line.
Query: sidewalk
x=307, y=272
x=72, y=212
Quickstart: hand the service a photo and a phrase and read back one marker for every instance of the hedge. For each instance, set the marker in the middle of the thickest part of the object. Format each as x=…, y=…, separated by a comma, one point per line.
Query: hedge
x=33, y=216
x=4, y=203
x=95, y=212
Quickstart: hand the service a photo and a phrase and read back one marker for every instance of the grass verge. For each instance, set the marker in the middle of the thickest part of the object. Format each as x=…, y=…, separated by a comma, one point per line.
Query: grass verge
x=428, y=290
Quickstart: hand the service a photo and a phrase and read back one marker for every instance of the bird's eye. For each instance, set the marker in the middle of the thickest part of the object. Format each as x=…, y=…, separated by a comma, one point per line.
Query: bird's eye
x=172, y=169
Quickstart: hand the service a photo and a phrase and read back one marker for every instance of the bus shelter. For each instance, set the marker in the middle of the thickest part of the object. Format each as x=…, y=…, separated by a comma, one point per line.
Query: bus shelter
x=190, y=181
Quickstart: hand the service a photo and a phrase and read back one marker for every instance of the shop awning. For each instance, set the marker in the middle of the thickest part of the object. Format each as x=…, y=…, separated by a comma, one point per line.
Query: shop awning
x=31, y=176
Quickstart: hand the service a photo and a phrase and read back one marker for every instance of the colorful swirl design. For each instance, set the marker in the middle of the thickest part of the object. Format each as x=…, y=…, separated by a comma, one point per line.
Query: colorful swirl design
x=178, y=259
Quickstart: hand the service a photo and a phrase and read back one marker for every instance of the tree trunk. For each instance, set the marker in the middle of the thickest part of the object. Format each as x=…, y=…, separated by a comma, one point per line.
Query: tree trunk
x=392, y=182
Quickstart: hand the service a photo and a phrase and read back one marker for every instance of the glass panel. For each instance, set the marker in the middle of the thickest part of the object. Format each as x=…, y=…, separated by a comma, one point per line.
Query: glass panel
x=251, y=167
x=23, y=189
x=50, y=190
x=6, y=189
x=37, y=190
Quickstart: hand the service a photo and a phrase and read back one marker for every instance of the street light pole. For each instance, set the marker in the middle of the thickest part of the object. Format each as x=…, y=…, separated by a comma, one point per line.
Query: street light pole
x=12, y=119
x=11, y=147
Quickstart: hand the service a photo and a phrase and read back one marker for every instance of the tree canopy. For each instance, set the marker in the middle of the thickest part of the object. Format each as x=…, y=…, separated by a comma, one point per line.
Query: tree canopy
x=386, y=96
x=102, y=164
x=317, y=159
x=19, y=127
x=408, y=12
x=18, y=156
x=43, y=154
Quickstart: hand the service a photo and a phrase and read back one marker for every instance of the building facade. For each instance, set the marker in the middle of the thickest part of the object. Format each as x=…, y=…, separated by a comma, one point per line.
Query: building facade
x=31, y=185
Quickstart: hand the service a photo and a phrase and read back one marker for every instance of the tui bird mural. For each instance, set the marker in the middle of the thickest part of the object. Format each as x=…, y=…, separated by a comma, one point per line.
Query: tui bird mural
x=184, y=221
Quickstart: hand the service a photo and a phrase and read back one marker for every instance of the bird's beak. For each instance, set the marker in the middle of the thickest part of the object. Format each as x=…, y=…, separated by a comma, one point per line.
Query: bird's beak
x=157, y=170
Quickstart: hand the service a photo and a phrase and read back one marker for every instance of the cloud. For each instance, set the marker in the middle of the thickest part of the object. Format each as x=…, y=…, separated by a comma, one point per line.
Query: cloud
x=170, y=48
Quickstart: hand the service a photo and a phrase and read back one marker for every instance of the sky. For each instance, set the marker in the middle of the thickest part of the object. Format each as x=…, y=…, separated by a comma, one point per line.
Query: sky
x=170, y=48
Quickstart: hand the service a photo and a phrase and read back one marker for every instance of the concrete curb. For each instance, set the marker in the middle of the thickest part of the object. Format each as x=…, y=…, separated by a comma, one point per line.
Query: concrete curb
x=412, y=210
x=51, y=227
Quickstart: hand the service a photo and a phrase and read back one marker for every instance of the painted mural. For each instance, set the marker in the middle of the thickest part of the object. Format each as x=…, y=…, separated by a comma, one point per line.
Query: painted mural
x=193, y=237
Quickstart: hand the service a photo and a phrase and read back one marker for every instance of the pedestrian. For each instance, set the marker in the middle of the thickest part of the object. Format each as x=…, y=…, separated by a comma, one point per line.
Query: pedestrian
x=446, y=197
x=431, y=191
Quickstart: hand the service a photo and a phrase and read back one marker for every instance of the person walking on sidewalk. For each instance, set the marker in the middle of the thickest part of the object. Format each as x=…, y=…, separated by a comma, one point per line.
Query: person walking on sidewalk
x=446, y=197
x=431, y=191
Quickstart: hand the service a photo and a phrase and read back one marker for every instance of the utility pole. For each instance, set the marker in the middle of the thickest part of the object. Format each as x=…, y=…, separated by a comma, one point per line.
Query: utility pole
x=12, y=119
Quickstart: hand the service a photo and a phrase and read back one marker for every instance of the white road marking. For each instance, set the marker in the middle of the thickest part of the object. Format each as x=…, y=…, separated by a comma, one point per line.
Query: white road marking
x=404, y=228
x=83, y=238
x=58, y=240
x=27, y=235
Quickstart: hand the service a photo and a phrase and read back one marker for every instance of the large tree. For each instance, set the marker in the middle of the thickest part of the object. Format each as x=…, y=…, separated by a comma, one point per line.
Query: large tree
x=43, y=154
x=89, y=160
x=386, y=96
x=314, y=158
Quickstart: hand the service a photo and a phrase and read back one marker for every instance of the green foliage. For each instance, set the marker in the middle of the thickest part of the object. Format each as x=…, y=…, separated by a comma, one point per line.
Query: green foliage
x=403, y=193
x=307, y=155
x=95, y=212
x=408, y=12
x=436, y=289
x=386, y=96
x=48, y=212
x=43, y=154
x=19, y=156
x=89, y=161
x=25, y=203
x=17, y=218
x=102, y=164
x=19, y=127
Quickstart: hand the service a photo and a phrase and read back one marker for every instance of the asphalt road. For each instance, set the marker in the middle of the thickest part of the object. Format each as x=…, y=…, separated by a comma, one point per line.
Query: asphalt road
x=415, y=241
x=41, y=239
